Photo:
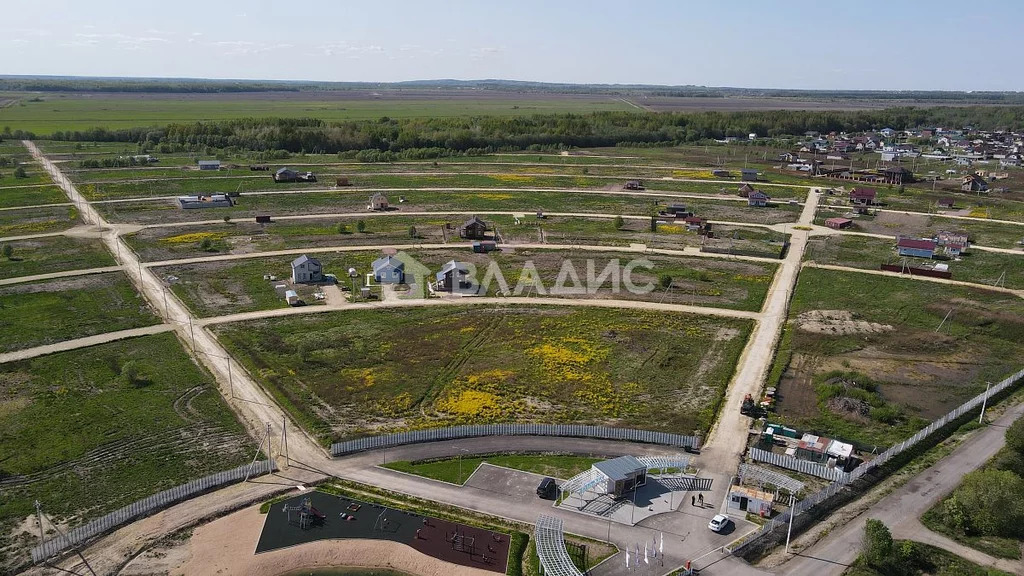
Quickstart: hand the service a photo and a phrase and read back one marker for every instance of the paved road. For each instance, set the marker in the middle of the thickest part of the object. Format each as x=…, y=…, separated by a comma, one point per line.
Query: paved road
x=901, y=509
x=728, y=437
x=83, y=342
x=1019, y=293
x=64, y=274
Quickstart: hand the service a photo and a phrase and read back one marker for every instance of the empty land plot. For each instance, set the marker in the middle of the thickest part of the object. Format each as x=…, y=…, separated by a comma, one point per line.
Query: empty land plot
x=31, y=196
x=42, y=220
x=46, y=312
x=501, y=200
x=920, y=225
x=861, y=360
x=242, y=237
x=458, y=470
x=235, y=286
x=975, y=265
x=990, y=205
x=83, y=440
x=54, y=254
x=34, y=174
x=348, y=373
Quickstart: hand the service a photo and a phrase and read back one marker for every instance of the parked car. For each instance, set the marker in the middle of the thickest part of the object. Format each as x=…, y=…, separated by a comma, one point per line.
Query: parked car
x=719, y=522
x=547, y=489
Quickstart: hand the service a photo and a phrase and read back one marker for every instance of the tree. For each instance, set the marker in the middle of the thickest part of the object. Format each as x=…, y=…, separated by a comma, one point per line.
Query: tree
x=654, y=224
x=987, y=503
x=361, y=226
x=877, y=546
x=341, y=228
x=130, y=372
x=8, y=251
x=619, y=222
x=227, y=218
x=665, y=280
x=1015, y=436
x=206, y=245
x=412, y=231
x=19, y=172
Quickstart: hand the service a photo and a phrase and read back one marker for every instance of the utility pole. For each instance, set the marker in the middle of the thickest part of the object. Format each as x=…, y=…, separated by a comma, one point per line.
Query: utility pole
x=984, y=401
x=789, y=531
x=284, y=438
x=231, y=382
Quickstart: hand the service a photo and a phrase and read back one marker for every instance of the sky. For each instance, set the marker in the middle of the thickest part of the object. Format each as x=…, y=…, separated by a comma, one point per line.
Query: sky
x=878, y=45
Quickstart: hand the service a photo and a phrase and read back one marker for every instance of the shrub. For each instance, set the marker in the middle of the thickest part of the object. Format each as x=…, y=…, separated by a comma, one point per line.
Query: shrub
x=205, y=244
x=1015, y=436
x=619, y=222
x=341, y=228
x=130, y=373
x=8, y=251
x=987, y=503
x=361, y=226
x=19, y=172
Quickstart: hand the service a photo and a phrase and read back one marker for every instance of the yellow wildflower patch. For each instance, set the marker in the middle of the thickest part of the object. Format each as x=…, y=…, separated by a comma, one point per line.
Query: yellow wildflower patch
x=670, y=229
x=469, y=403
x=513, y=178
x=194, y=237
x=492, y=196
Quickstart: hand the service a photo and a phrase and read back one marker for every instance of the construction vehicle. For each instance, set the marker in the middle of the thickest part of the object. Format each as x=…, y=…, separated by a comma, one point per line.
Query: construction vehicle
x=748, y=408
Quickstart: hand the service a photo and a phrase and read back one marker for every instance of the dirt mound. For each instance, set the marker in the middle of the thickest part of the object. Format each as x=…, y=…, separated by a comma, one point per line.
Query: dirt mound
x=850, y=407
x=837, y=322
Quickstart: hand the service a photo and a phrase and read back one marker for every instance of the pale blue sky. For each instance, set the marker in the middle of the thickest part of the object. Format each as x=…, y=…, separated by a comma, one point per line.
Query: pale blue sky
x=894, y=44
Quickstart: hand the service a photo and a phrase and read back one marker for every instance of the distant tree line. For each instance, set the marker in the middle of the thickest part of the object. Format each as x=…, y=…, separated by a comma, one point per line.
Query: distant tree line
x=433, y=137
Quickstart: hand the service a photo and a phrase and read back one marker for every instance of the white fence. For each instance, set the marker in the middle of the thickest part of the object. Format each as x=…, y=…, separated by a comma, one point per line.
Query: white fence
x=146, y=506
x=791, y=463
x=564, y=430
x=836, y=486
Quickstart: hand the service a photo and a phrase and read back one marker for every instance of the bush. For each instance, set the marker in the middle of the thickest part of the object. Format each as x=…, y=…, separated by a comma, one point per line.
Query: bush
x=361, y=226
x=1015, y=436
x=987, y=503
x=8, y=251
x=19, y=172
x=341, y=228
x=665, y=280
x=130, y=373
x=412, y=232
x=227, y=218
x=205, y=244
x=619, y=222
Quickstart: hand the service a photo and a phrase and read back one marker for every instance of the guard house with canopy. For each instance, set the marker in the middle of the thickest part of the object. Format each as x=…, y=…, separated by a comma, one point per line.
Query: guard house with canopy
x=620, y=475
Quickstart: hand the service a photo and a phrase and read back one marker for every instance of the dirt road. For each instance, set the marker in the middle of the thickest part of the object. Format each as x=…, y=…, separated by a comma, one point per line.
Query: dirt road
x=64, y=274
x=1018, y=293
x=83, y=342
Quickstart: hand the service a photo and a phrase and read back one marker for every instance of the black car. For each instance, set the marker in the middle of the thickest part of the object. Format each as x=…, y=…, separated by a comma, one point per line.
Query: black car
x=547, y=489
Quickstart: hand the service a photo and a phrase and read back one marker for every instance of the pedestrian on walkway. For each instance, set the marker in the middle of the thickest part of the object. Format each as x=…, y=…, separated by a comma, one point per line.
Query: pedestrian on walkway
x=693, y=500
x=700, y=498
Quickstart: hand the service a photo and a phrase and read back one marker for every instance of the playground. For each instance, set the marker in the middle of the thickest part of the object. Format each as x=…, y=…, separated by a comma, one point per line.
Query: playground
x=318, y=516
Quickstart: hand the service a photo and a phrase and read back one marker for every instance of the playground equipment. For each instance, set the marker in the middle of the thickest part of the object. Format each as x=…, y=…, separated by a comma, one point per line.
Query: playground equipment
x=306, y=513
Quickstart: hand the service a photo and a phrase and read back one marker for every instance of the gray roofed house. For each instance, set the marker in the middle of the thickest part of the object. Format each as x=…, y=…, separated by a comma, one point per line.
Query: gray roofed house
x=388, y=270
x=474, y=229
x=306, y=270
x=209, y=164
x=453, y=277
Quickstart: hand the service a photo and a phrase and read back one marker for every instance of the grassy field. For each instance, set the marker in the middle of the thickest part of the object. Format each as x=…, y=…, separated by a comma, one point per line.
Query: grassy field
x=895, y=224
x=229, y=287
x=860, y=358
x=83, y=441
x=457, y=471
x=56, y=310
x=41, y=220
x=62, y=112
x=975, y=266
x=237, y=237
x=381, y=370
x=54, y=254
x=30, y=196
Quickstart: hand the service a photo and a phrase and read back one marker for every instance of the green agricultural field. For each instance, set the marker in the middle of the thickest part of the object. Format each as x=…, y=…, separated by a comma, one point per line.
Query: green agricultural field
x=31, y=195
x=54, y=254
x=83, y=440
x=391, y=369
x=34, y=175
x=43, y=220
x=63, y=112
x=977, y=266
x=861, y=360
x=235, y=286
x=46, y=312
x=448, y=470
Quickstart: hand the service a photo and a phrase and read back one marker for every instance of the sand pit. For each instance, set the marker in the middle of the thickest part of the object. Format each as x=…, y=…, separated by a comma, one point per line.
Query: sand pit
x=839, y=322
x=226, y=547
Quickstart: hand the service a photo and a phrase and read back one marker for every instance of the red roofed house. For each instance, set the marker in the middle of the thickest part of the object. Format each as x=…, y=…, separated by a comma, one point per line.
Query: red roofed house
x=838, y=223
x=693, y=223
x=863, y=196
x=916, y=247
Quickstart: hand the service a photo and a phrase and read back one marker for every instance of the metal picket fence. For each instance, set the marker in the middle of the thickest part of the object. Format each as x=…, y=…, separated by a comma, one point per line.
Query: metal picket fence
x=835, y=487
x=143, y=507
x=474, y=431
x=791, y=463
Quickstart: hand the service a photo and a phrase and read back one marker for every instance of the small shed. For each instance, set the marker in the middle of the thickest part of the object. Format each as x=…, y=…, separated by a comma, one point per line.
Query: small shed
x=838, y=223
x=721, y=173
x=751, y=500
x=307, y=270
x=812, y=448
x=633, y=185
x=485, y=246
x=945, y=202
x=748, y=175
x=209, y=164
x=473, y=229
x=693, y=223
x=378, y=202
x=291, y=297
x=388, y=270
x=676, y=209
x=286, y=175
x=622, y=474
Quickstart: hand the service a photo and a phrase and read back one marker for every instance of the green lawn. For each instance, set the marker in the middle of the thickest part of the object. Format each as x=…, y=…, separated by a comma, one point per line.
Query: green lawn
x=899, y=369
x=56, y=310
x=83, y=441
x=54, y=254
x=43, y=220
x=457, y=472
x=391, y=369
x=30, y=196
